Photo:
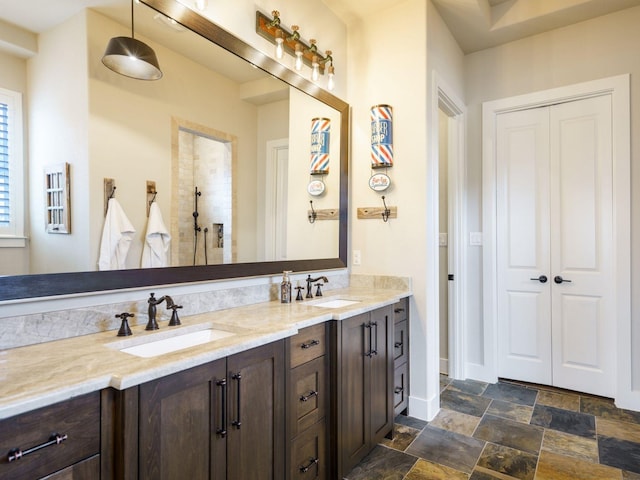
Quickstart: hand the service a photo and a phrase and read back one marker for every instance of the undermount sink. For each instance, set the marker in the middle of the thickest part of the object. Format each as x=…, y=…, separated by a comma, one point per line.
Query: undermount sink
x=158, y=347
x=334, y=303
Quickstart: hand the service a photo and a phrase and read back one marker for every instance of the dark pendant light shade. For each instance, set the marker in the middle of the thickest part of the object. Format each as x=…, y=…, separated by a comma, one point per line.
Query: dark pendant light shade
x=131, y=57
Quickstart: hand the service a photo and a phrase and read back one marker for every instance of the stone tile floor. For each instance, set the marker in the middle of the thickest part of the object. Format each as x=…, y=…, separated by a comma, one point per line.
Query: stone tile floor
x=510, y=430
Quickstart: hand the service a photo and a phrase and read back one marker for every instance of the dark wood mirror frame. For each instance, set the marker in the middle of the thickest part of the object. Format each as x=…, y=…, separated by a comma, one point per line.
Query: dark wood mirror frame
x=33, y=286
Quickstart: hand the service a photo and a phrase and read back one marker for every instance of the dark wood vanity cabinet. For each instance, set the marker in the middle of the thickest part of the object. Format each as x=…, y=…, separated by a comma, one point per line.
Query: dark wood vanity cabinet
x=307, y=404
x=57, y=441
x=362, y=375
x=401, y=356
x=221, y=420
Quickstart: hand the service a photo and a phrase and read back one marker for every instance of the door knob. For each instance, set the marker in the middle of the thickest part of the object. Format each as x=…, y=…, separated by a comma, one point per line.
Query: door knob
x=559, y=279
x=541, y=279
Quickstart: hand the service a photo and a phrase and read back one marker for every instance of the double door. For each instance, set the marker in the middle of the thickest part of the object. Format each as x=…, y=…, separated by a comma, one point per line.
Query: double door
x=555, y=246
x=364, y=390
x=222, y=420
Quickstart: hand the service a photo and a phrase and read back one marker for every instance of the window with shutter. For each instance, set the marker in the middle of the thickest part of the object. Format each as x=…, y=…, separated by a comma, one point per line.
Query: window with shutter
x=11, y=170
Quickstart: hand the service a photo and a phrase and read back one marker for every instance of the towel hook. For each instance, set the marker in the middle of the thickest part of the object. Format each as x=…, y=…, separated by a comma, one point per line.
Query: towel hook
x=153, y=199
x=113, y=192
x=386, y=212
x=313, y=215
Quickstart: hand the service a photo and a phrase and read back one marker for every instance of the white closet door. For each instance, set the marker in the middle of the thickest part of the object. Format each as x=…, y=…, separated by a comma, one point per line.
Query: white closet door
x=582, y=246
x=524, y=305
x=554, y=218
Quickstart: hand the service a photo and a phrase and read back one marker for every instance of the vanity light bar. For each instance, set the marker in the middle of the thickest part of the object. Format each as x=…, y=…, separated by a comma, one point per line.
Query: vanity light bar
x=272, y=30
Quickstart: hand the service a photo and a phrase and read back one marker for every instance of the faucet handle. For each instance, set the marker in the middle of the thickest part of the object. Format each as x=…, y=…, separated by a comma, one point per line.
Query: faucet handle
x=124, y=331
x=318, y=291
x=174, y=316
x=299, y=296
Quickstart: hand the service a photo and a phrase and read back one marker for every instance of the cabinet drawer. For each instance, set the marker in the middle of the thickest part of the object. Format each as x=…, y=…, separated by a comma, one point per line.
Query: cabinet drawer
x=400, y=388
x=78, y=419
x=309, y=455
x=88, y=469
x=400, y=310
x=308, y=344
x=400, y=343
x=308, y=395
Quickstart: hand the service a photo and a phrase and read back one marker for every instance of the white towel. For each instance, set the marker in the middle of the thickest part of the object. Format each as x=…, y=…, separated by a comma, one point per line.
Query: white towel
x=117, y=235
x=155, y=252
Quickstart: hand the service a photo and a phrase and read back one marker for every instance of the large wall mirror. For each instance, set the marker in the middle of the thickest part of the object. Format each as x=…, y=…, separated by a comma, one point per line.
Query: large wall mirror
x=226, y=132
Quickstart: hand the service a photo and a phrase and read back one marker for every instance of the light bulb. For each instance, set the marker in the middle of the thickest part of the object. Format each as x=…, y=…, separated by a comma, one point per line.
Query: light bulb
x=298, y=64
x=331, y=83
x=315, y=69
x=279, y=42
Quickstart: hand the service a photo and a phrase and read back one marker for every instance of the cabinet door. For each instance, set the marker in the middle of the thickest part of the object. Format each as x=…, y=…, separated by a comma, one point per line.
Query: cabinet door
x=179, y=415
x=381, y=374
x=354, y=424
x=256, y=398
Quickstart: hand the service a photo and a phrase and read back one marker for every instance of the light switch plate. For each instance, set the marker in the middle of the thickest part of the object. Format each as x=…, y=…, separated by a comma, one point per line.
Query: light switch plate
x=475, y=238
x=357, y=258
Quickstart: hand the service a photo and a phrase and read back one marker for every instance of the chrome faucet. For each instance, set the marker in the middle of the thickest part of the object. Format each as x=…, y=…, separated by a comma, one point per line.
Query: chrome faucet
x=153, y=301
x=310, y=281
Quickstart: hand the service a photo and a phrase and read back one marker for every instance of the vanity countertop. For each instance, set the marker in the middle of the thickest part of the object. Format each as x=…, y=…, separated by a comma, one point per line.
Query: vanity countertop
x=39, y=375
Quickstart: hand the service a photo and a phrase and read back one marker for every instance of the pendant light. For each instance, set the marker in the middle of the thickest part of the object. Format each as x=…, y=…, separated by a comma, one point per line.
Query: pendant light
x=131, y=57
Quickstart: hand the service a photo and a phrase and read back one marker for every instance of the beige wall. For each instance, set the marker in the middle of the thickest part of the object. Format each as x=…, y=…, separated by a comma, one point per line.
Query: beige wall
x=321, y=236
x=589, y=50
x=398, y=70
x=59, y=126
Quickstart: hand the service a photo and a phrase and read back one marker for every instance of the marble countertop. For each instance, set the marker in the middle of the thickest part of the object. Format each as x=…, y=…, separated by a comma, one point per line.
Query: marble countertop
x=39, y=375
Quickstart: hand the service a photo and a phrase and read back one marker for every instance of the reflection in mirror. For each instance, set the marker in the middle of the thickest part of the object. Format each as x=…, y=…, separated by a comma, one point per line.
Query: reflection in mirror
x=251, y=164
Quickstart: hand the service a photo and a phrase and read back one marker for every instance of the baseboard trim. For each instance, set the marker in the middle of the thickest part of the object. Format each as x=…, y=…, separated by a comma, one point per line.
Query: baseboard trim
x=423, y=409
x=444, y=366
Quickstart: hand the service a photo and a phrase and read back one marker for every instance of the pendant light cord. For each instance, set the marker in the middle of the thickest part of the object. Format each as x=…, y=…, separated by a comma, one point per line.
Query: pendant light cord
x=132, y=19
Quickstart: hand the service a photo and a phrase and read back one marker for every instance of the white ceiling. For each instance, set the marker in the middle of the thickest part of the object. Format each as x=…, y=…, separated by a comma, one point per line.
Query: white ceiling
x=476, y=24
x=480, y=24
x=40, y=15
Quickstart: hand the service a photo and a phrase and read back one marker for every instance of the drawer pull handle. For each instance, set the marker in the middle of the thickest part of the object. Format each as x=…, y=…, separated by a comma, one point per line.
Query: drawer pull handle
x=312, y=343
x=17, y=454
x=398, y=344
x=312, y=462
x=398, y=310
x=312, y=393
x=399, y=390
x=375, y=336
x=222, y=431
x=238, y=421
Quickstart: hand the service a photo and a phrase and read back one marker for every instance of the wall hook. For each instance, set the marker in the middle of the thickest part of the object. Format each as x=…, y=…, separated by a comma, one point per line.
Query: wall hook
x=313, y=215
x=154, y=198
x=387, y=212
x=113, y=192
